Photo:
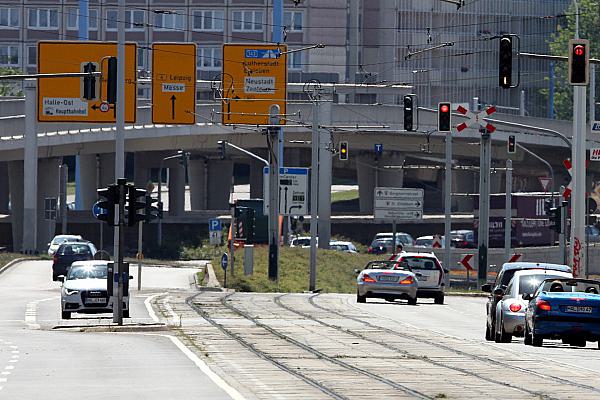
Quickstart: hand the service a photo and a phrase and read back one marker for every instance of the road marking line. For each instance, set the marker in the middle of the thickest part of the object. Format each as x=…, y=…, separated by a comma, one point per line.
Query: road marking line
x=149, y=306
x=9, y=367
x=4, y=373
x=13, y=361
x=174, y=316
x=3, y=380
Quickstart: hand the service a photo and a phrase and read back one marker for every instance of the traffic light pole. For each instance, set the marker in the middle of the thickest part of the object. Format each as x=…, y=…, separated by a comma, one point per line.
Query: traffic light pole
x=273, y=138
x=578, y=206
x=508, y=210
x=484, y=207
x=448, y=201
x=119, y=243
x=314, y=196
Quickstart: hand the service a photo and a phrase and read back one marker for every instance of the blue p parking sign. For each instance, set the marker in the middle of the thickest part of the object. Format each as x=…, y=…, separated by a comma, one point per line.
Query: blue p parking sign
x=214, y=225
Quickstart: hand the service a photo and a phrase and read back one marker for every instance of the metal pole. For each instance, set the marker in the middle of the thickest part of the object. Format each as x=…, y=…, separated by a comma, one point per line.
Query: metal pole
x=394, y=236
x=277, y=37
x=592, y=93
x=64, y=176
x=564, y=234
x=314, y=196
x=324, y=176
x=273, y=137
x=448, y=201
x=120, y=106
x=522, y=103
x=159, y=196
x=117, y=279
x=508, y=210
x=578, y=205
x=139, y=254
x=484, y=208
x=525, y=149
x=30, y=169
x=232, y=241
x=551, y=91
x=100, y=223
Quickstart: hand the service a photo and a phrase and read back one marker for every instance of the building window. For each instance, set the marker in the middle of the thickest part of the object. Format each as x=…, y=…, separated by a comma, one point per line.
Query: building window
x=141, y=57
x=206, y=20
x=10, y=18
x=73, y=19
x=134, y=20
x=294, y=60
x=43, y=18
x=247, y=21
x=32, y=56
x=292, y=20
x=9, y=55
x=167, y=22
x=210, y=57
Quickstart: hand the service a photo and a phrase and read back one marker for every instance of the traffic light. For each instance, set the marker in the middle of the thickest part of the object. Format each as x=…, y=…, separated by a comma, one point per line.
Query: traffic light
x=343, y=151
x=579, y=61
x=555, y=219
x=222, y=149
x=444, y=117
x=89, y=82
x=505, y=55
x=111, y=81
x=409, y=112
x=136, y=200
x=104, y=209
x=512, y=145
x=151, y=212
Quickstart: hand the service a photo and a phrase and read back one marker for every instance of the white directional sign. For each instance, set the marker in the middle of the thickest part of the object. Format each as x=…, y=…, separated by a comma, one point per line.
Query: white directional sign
x=398, y=203
x=293, y=191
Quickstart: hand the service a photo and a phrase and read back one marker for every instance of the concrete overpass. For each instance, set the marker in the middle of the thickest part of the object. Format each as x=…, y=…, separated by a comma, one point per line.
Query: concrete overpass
x=409, y=158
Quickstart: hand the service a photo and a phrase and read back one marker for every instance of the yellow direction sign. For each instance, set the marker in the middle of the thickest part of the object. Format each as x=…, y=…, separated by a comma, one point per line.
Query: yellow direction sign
x=173, y=83
x=74, y=99
x=254, y=78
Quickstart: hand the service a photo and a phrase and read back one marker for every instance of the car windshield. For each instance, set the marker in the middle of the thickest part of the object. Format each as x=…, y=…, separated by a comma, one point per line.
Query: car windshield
x=381, y=242
x=571, y=285
x=404, y=239
x=63, y=239
x=301, y=242
x=340, y=247
x=74, y=249
x=424, y=242
x=387, y=265
x=530, y=283
x=98, y=271
x=426, y=263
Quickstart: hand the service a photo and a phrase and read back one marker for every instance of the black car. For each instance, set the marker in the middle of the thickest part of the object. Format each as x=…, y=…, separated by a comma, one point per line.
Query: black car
x=69, y=252
x=463, y=239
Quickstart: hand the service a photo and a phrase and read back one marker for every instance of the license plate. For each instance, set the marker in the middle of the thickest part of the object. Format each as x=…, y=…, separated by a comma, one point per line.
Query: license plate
x=423, y=278
x=96, y=300
x=578, y=309
x=388, y=278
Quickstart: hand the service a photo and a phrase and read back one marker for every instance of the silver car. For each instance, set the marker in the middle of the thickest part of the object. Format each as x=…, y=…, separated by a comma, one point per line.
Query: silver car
x=84, y=289
x=387, y=280
x=60, y=239
x=510, y=311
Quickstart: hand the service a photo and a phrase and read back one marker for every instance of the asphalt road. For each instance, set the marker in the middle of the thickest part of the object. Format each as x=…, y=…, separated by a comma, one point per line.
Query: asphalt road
x=464, y=317
x=39, y=361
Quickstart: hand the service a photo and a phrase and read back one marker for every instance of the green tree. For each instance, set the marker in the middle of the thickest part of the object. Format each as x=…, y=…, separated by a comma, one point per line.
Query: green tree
x=589, y=28
x=10, y=88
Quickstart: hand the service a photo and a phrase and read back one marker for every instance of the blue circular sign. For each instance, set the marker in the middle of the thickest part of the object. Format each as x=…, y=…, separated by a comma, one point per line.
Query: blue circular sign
x=224, y=261
x=97, y=210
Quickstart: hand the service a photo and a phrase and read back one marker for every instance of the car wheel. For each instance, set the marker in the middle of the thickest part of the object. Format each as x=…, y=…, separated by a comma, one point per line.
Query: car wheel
x=125, y=313
x=412, y=301
x=488, y=334
x=54, y=277
x=66, y=315
x=598, y=344
x=536, y=340
x=360, y=299
x=527, y=336
x=578, y=343
x=439, y=299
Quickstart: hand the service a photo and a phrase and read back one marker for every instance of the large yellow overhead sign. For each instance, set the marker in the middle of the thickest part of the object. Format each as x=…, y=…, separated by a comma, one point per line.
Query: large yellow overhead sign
x=173, y=83
x=69, y=99
x=254, y=77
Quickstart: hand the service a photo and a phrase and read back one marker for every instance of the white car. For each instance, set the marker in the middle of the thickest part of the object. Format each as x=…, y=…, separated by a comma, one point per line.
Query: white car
x=60, y=239
x=84, y=289
x=427, y=241
x=432, y=276
x=346, y=247
x=300, y=241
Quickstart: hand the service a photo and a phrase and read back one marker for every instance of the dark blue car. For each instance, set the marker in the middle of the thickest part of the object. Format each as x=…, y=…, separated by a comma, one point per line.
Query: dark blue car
x=567, y=309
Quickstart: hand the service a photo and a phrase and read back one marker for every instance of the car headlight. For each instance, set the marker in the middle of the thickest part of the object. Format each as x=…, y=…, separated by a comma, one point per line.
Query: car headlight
x=70, y=292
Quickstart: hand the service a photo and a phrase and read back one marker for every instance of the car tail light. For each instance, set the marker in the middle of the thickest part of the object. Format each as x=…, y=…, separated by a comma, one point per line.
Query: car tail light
x=543, y=305
x=367, y=278
x=407, y=281
x=515, y=307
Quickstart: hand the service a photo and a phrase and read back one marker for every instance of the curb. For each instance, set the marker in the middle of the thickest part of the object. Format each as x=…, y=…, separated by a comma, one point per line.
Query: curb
x=13, y=262
x=466, y=294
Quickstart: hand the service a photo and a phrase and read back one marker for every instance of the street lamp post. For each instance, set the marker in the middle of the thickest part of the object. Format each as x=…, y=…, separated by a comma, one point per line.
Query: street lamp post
x=182, y=155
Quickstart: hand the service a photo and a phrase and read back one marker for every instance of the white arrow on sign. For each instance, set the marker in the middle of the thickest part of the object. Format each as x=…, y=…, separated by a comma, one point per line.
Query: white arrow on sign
x=545, y=182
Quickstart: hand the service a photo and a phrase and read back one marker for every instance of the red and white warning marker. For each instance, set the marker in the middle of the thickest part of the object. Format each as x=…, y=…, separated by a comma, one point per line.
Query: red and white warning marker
x=466, y=262
x=515, y=257
x=476, y=118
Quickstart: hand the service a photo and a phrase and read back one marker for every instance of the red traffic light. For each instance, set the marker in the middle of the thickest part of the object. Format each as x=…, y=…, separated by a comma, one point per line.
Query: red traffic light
x=444, y=108
x=579, y=50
